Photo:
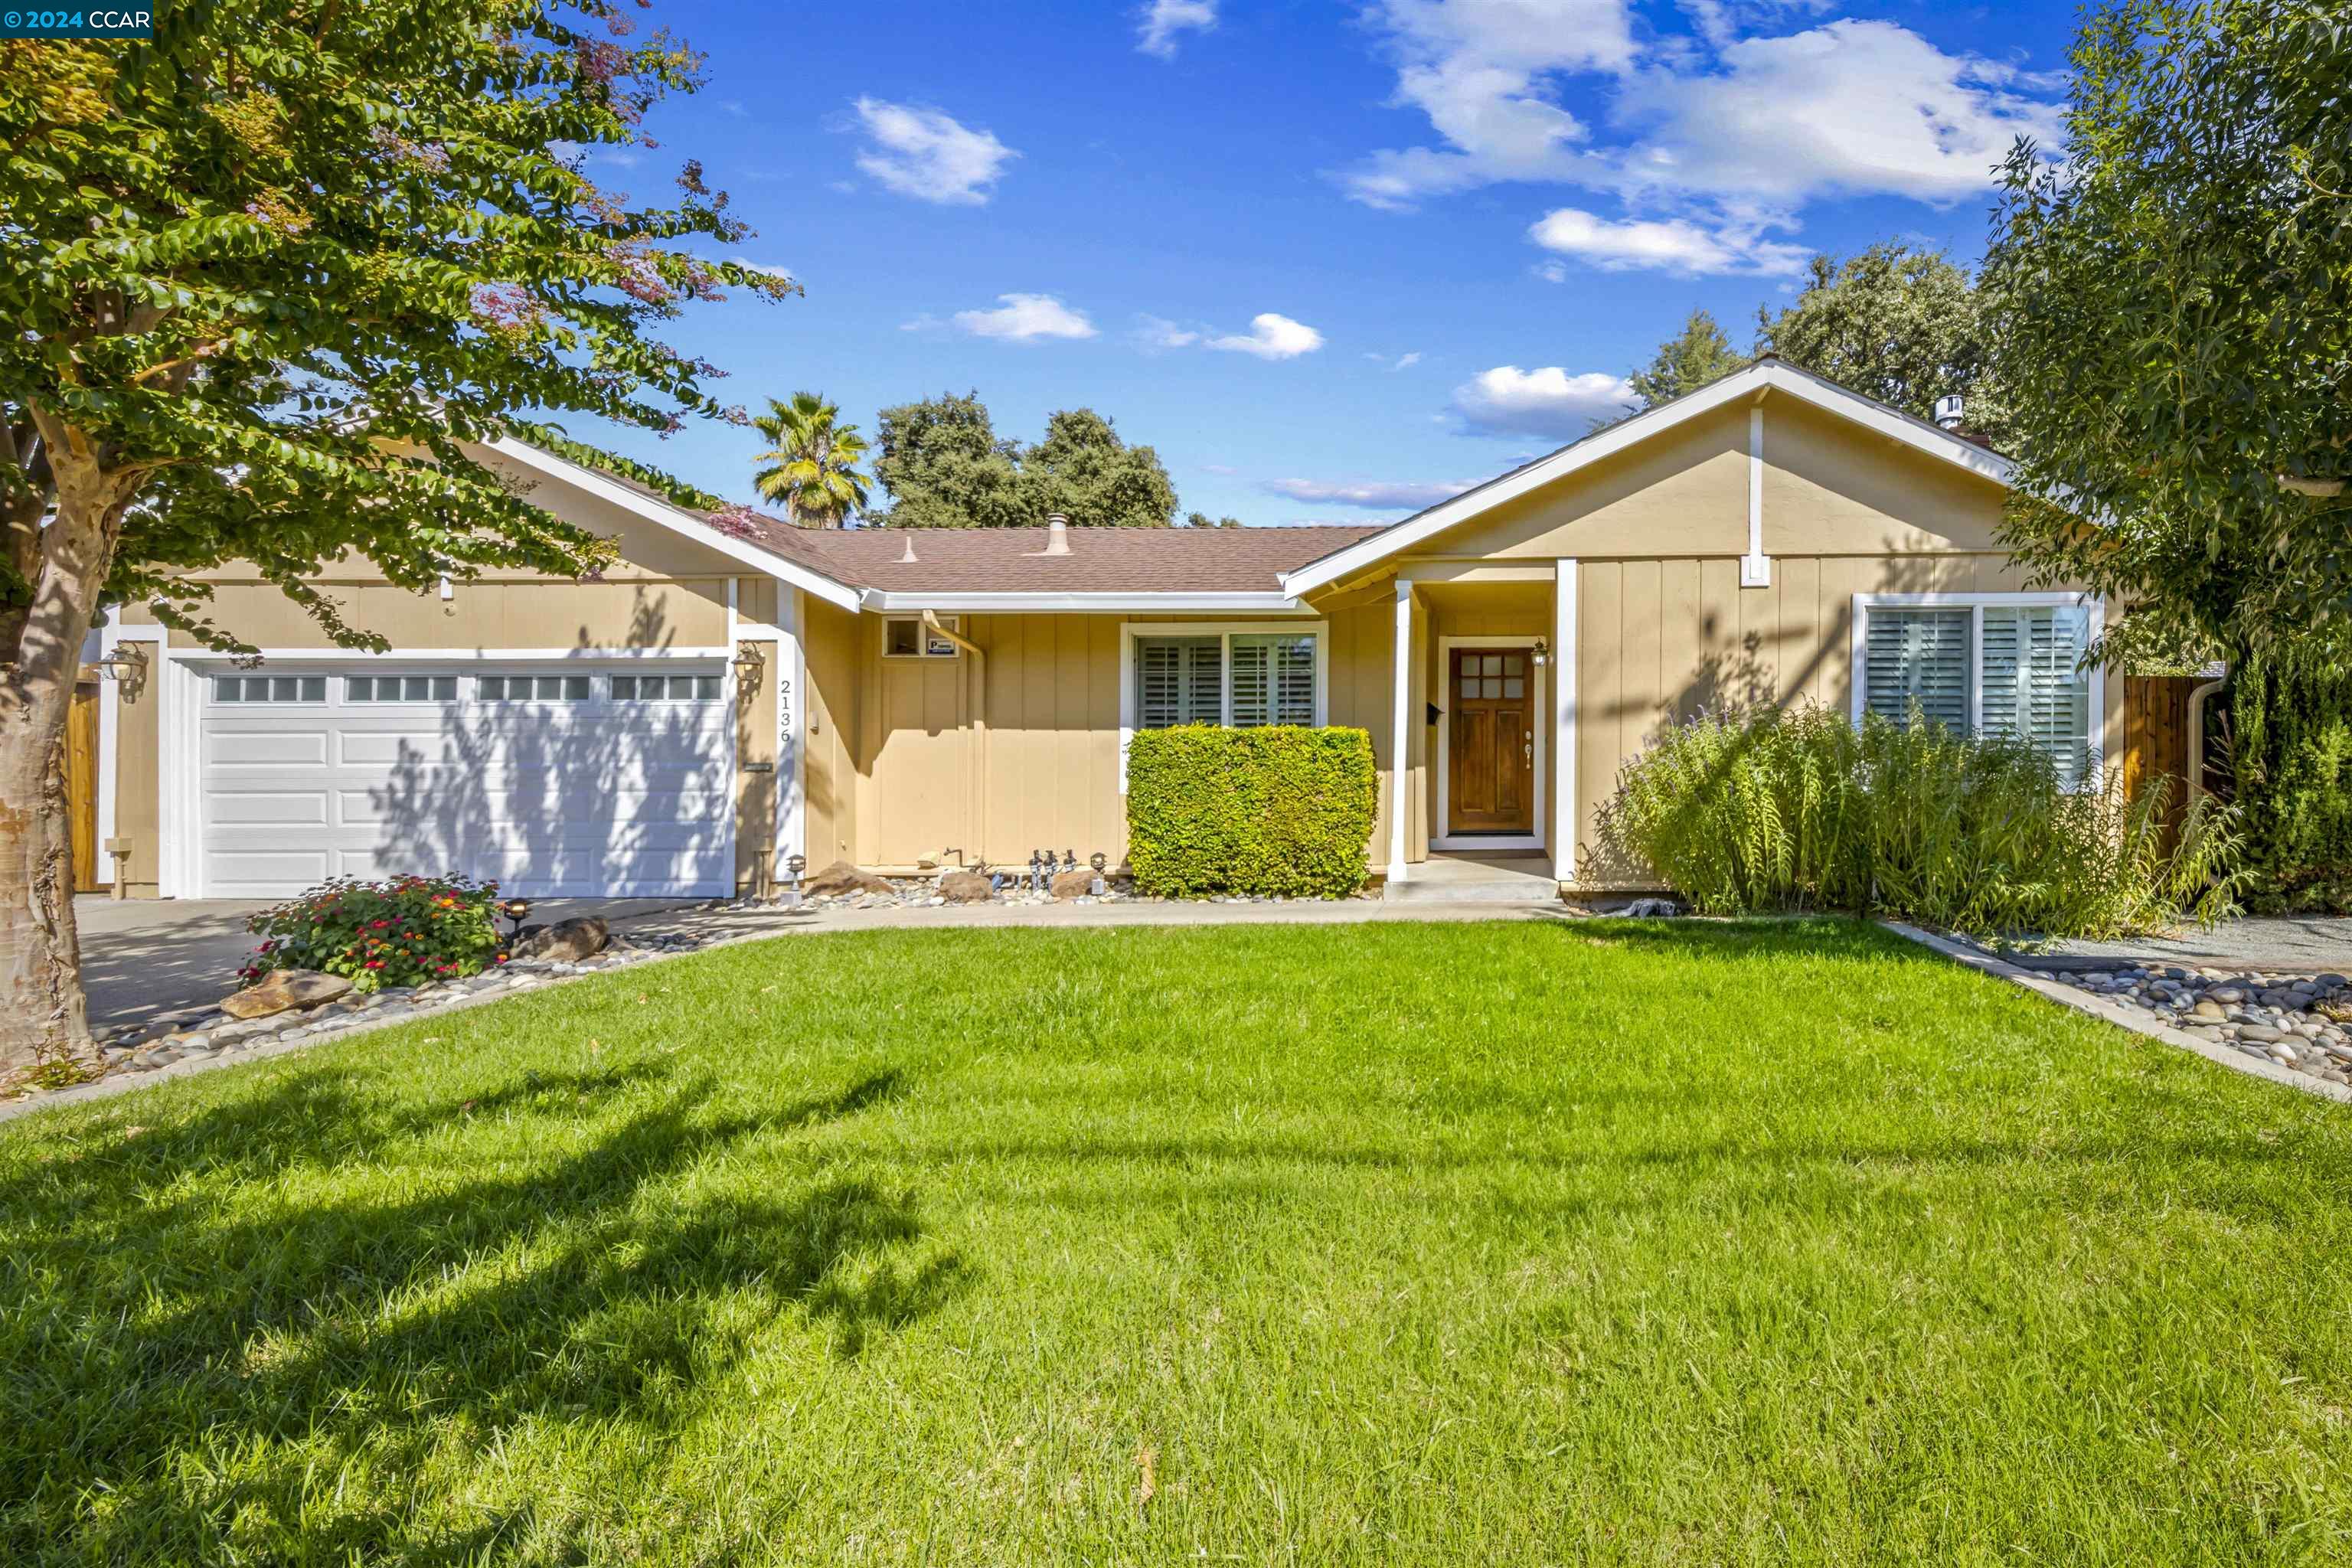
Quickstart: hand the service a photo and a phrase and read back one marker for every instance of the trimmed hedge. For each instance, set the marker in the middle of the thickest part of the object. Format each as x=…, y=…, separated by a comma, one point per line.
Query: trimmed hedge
x=1278, y=809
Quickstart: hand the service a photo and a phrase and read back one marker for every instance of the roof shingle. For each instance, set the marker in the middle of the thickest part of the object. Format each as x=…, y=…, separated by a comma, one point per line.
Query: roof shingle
x=1012, y=560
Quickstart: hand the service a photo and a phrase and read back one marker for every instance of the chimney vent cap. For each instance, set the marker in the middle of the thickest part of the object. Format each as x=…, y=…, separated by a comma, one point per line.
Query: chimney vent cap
x=1949, y=409
x=1057, y=535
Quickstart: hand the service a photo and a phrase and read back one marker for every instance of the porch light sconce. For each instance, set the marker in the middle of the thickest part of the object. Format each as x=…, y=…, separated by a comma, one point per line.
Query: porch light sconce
x=127, y=664
x=750, y=659
x=1543, y=653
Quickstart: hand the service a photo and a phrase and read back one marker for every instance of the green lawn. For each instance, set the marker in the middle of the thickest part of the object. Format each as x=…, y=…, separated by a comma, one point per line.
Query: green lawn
x=1504, y=1242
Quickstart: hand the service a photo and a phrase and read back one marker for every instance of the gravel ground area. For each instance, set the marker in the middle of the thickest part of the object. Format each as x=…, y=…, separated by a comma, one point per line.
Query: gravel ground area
x=2304, y=945
x=2298, y=1021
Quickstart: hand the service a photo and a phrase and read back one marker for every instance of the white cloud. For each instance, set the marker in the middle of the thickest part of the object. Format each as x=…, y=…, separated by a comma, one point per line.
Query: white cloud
x=1855, y=108
x=924, y=154
x=1402, y=362
x=1672, y=244
x=1024, y=318
x=1549, y=402
x=1484, y=71
x=1157, y=333
x=1371, y=495
x=1271, y=336
x=1713, y=141
x=1164, y=19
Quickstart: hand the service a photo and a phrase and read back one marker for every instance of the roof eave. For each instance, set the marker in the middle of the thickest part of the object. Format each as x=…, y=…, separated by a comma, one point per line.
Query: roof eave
x=1166, y=602
x=1767, y=376
x=678, y=520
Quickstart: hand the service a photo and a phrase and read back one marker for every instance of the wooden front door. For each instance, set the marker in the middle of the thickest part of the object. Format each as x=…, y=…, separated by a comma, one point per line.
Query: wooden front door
x=81, y=784
x=1491, y=742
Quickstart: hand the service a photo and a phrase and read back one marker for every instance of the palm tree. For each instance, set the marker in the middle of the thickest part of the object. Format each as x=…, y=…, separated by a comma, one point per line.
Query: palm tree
x=813, y=466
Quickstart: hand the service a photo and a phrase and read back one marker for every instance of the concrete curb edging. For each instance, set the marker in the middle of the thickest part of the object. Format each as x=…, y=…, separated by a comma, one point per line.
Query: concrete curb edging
x=2132, y=1019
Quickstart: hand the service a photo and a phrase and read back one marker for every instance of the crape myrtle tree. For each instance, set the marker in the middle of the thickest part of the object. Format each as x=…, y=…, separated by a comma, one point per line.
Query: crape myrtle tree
x=261, y=277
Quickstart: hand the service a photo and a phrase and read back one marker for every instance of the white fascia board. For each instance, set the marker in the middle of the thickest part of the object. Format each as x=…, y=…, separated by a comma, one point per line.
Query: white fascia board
x=879, y=600
x=1771, y=375
x=678, y=519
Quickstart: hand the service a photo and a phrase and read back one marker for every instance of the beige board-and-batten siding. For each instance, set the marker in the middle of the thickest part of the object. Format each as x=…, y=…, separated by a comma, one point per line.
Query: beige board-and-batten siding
x=1659, y=641
x=1664, y=627
x=895, y=771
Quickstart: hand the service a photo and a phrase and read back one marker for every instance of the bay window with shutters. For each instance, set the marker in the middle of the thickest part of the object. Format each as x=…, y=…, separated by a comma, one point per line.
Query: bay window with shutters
x=1987, y=664
x=1239, y=675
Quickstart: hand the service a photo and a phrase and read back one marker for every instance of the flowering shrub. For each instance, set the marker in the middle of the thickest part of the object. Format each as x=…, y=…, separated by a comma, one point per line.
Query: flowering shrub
x=404, y=931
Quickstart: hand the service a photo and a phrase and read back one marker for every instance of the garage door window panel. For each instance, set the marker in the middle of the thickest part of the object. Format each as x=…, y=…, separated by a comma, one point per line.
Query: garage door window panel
x=258, y=690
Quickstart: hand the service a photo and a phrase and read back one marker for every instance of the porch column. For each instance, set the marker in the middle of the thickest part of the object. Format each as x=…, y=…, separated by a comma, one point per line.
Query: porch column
x=1400, y=753
x=791, y=728
x=1563, y=731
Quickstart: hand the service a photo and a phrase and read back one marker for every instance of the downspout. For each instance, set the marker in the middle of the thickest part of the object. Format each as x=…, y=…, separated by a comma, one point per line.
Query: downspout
x=2197, y=695
x=979, y=710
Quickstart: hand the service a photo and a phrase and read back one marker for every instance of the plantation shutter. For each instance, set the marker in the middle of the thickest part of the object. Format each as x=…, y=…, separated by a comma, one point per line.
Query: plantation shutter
x=1916, y=656
x=2036, y=686
x=1177, y=681
x=1274, y=681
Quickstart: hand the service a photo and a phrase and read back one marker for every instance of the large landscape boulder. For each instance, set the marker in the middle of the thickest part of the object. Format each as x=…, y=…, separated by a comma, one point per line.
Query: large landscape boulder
x=1078, y=884
x=566, y=941
x=840, y=877
x=965, y=888
x=283, y=990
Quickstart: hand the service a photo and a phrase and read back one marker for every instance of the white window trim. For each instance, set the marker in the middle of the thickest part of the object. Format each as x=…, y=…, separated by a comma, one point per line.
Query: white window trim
x=1976, y=603
x=1224, y=631
x=1539, y=706
x=923, y=636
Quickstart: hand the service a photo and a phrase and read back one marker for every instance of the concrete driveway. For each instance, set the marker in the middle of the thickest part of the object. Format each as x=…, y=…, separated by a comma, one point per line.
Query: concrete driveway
x=145, y=956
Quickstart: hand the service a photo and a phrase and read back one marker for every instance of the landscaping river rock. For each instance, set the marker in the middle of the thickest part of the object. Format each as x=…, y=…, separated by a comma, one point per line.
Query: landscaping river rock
x=2299, y=1021
x=210, y=1032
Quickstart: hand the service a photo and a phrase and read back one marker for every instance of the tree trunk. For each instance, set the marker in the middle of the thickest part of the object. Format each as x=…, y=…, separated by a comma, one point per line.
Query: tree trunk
x=43, y=1018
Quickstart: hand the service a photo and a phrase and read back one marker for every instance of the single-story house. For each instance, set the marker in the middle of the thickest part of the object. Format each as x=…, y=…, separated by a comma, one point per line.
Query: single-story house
x=726, y=697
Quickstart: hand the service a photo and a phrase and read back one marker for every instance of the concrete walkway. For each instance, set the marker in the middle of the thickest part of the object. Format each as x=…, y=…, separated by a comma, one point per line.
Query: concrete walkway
x=2313, y=944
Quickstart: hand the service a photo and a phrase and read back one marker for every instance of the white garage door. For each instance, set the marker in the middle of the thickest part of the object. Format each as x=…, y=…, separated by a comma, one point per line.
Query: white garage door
x=611, y=781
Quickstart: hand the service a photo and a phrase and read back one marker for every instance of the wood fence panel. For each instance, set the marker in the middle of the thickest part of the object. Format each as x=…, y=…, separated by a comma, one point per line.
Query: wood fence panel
x=2156, y=735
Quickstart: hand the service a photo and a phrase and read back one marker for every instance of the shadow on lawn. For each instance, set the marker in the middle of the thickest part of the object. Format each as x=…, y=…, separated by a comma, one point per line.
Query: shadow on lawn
x=214, y=1320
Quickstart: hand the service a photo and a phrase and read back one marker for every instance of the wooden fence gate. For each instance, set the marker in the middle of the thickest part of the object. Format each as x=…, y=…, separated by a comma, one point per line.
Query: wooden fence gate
x=2156, y=735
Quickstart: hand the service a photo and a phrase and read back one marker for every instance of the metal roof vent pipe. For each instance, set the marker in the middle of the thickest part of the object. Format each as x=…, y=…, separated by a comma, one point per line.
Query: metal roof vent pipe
x=907, y=559
x=1057, y=534
x=1948, y=412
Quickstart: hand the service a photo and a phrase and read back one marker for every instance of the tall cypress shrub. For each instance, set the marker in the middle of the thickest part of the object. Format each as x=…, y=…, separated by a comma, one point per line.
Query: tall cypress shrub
x=2291, y=755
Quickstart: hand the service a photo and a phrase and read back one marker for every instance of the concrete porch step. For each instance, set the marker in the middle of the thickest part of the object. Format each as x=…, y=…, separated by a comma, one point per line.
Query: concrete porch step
x=1476, y=880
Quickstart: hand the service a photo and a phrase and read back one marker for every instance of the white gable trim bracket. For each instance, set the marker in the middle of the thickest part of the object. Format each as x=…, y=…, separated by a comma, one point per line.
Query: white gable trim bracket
x=678, y=519
x=1765, y=376
x=1756, y=567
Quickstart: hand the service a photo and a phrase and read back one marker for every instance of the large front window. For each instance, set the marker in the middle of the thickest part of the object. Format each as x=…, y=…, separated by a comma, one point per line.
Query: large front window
x=1239, y=679
x=1991, y=666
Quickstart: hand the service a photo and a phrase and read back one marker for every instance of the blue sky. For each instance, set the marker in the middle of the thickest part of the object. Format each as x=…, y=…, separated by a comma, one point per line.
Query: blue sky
x=1332, y=260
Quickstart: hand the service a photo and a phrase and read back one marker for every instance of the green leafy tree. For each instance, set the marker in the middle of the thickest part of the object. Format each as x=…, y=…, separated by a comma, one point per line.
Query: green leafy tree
x=945, y=466
x=1692, y=357
x=1083, y=470
x=2171, y=311
x=1895, y=323
x=812, y=468
x=263, y=277
x=1203, y=520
